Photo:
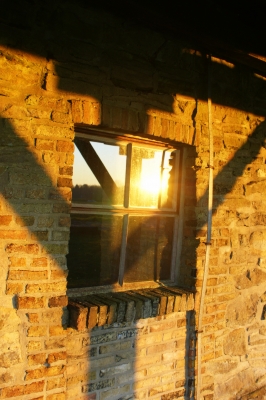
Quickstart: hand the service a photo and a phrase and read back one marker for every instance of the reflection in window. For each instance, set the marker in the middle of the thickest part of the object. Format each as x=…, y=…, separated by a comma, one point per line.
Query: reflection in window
x=124, y=217
x=149, y=248
x=94, y=249
x=99, y=173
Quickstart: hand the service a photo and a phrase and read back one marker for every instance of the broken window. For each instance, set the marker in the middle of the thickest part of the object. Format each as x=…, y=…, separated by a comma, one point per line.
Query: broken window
x=124, y=218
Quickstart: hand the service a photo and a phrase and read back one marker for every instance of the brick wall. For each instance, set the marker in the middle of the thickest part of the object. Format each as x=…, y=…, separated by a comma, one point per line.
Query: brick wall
x=141, y=360
x=70, y=64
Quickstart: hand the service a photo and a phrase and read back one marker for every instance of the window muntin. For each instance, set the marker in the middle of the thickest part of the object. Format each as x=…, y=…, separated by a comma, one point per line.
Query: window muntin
x=124, y=213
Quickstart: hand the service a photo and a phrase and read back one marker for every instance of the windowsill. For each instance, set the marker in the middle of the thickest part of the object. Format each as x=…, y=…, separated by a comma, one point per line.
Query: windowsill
x=94, y=310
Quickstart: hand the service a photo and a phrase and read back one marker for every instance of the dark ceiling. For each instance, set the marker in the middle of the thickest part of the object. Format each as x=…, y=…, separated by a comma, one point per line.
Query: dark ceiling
x=235, y=24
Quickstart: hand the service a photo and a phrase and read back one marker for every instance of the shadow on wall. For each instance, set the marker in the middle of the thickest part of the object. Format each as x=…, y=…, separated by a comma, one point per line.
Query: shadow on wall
x=27, y=183
x=34, y=205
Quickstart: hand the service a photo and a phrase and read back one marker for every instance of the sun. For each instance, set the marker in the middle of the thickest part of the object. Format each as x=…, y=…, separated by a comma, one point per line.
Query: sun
x=153, y=183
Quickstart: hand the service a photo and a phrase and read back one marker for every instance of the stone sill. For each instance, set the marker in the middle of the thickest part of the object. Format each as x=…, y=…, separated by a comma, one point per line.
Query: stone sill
x=87, y=312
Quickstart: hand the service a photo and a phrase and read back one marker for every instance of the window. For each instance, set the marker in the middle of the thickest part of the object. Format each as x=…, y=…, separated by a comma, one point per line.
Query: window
x=124, y=218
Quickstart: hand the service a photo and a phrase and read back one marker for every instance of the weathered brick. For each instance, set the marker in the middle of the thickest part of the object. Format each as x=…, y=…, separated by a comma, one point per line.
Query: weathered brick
x=64, y=182
x=33, y=317
x=58, y=301
x=84, y=378
x=21, y=390
x=44, y=371
x=45, y=144
x=36, y=331
x=57, y=330
x=77, y=315
x=59, y=274
x=34, y=345
x=45, y=222
x=65, y=146
x=160, y=389
x=39, y=262
x=17, y=261
x=91, y=387
x=53, y=357
x=55, y=383
x=46, y=287
x=56, y=396
x=27, y=275
x=37, y=358
x=25, y=220
x=64, y=221
x=55, y=344
x=5, y=219
x=30, y=302
x=52, y=132
x=14, y=288
x=36, y=193
x=40, y=235
x=9, y=234
x=26, y=248
x=161, y=348
x=55, y=248
x=61, y=208
x=60, y=235
x=66, y=170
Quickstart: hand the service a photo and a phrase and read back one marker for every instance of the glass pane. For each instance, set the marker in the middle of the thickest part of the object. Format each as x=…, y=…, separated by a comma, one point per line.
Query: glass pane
x=145, y=177
x=99, y=173
x=149, y=248
x=94, y=250
x=169, y=181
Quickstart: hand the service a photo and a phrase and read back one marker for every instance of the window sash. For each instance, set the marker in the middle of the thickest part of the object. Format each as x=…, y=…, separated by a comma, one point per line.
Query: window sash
x=126, y=210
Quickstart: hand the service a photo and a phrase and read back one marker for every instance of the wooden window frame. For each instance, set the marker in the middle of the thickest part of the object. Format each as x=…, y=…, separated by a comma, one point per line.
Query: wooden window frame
x=126, y=210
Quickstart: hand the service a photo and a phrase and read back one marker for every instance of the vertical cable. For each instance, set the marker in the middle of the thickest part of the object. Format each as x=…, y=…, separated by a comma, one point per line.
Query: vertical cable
x=209, y=230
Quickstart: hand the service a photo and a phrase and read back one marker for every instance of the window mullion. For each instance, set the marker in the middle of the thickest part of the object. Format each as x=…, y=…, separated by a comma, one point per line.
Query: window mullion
x=127, y=178
x=123, y=250
x=126, y=217
x=176, y=172
x=174, y=248
x=161, y=180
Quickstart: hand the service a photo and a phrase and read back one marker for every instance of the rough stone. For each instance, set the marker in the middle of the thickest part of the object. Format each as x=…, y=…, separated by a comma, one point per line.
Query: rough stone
x=242, y=310
x=235, y=343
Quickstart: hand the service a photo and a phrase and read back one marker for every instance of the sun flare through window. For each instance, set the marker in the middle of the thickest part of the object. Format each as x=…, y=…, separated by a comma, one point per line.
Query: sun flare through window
x=124, y=218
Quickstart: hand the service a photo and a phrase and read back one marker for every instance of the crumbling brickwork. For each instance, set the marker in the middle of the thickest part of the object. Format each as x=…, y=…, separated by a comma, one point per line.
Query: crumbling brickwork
x=70, y=64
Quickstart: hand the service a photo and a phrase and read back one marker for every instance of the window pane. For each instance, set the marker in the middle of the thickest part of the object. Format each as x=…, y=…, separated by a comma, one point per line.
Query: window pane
x=99, y=173
x=149, y=248
x=169, y=181
x=94, y=250
x=145, y=177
